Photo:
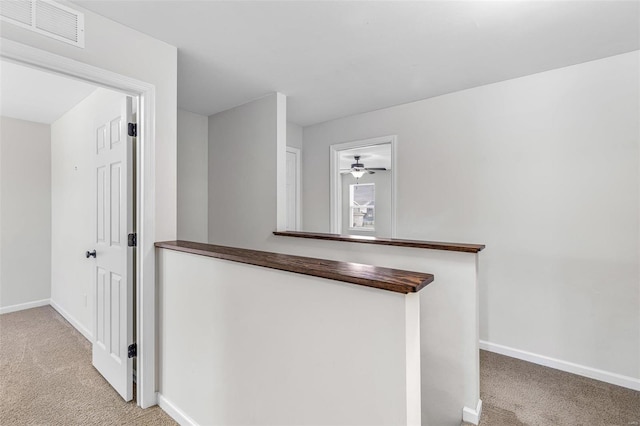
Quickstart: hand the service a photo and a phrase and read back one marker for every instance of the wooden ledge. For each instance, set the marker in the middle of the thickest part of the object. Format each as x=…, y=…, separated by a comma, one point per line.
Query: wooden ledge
x=355, y=273
x=467, y=248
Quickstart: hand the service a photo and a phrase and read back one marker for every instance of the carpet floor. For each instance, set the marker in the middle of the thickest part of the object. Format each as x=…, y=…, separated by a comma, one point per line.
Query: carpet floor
x=516, y=392
x=46, y=378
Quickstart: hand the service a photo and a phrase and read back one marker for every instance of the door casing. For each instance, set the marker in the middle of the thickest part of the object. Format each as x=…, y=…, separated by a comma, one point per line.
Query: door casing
x=335, y=188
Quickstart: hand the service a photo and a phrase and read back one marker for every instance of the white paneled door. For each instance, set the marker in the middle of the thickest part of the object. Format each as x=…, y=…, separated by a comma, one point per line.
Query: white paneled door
x=113, y=270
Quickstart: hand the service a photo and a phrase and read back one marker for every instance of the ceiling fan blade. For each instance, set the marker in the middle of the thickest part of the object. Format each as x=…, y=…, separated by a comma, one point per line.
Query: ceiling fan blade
x=375, y=168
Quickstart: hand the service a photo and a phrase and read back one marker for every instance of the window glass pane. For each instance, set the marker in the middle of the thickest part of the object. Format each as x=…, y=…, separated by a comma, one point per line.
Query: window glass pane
x=364, y=194
x=362, y=207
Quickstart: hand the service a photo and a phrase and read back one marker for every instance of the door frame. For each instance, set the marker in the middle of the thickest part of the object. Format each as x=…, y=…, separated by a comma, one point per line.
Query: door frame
x=335, y=179
x=145, y=192
x=297, y=152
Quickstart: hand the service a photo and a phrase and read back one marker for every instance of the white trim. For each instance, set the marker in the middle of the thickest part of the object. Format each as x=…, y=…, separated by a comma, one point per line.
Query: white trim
x=413, y=372
x=472, y=416
x=176, y=414
x=569, y=367
x=298, y=153
x=145, y=251
x=145, y=221
x=73, y=321
x=334, y=178
x=23, y=306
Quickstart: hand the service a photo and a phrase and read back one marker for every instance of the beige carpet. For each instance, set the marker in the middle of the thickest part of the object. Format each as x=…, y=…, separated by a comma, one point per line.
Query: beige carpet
x=46, y=377
x=517, y=393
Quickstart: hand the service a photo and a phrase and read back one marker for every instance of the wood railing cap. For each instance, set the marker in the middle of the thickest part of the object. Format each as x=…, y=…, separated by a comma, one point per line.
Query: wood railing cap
x=432, y=245
x=395, y=280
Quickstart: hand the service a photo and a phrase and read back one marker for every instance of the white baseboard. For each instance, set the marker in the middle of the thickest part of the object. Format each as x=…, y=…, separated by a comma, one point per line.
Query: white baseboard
x=471, y=415
x=569, y=367
x=74, y=322
x=177, y=414
x=23, y=306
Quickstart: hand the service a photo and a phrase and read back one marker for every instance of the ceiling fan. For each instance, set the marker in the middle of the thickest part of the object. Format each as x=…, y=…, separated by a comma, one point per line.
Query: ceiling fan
x=358, y=169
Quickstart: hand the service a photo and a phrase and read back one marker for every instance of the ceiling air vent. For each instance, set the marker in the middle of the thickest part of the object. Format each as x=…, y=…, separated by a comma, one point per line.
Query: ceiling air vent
x=45, y=17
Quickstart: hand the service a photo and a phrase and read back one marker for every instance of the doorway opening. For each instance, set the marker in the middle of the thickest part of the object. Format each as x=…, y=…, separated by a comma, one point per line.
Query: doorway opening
x=294, y=189
x=141, y=304
x=363, y=187
x=77, y=134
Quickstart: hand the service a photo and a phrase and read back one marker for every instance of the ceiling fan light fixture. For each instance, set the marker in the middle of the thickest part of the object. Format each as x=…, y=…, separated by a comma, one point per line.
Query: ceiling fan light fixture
x=358, y=173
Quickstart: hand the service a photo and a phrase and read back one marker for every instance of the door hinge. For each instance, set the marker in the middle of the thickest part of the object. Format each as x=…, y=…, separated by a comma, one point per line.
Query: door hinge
x=132, y=350
x=132, y=240
x=133, y=129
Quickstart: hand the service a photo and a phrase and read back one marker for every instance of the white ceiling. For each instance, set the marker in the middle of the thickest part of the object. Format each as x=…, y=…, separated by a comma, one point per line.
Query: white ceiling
x=370, y=156
x=334, y=59
x=33, y=95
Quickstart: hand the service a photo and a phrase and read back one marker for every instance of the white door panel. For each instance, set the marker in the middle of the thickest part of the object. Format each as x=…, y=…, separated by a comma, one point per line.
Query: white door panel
x=113, y=307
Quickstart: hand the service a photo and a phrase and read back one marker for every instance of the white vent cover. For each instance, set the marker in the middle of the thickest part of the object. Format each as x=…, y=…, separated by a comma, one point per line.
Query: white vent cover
x=45, y=17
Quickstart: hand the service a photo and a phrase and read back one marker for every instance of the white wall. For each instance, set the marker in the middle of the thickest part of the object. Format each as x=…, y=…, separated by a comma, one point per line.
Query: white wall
x=242, y=174
x=278, y=348
x=193, y=149
x=544, y=170
x=122, y=50
x=25, y=212
x=448, y=310
x=294, y=135
x=448, y=307
x=72, y=208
